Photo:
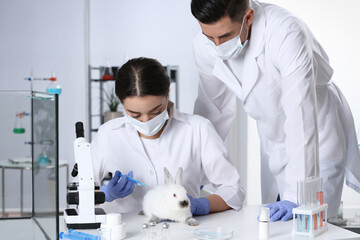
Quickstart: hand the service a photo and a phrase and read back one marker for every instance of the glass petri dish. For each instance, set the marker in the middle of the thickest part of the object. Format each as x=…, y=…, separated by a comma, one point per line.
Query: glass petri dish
x=213, y=233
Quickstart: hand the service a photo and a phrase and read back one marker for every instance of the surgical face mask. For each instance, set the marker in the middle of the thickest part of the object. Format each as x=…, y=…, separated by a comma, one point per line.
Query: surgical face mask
x=151, y=127
x=229, y=49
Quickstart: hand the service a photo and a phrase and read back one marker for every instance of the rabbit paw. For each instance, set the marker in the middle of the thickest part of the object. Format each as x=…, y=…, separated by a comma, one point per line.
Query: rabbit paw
x=154, y=219
x=192, y=222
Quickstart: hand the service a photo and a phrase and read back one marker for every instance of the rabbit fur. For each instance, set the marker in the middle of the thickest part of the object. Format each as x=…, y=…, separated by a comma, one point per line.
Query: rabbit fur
x=169, y=201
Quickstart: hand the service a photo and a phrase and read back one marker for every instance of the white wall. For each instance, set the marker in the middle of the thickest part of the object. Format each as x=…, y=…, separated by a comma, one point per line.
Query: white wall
x=46, y=36
x=336, y=25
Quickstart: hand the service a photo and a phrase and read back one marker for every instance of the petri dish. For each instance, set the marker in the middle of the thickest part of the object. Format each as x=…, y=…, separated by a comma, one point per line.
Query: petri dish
x=213, y=233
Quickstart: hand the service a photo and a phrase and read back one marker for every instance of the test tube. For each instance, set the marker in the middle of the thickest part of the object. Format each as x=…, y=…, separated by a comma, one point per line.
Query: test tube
x=320, y=199
x=151, y=235
x=307, y=204
x=312, y=200
x=300, y=193
x=144, y=231
x=165, y=231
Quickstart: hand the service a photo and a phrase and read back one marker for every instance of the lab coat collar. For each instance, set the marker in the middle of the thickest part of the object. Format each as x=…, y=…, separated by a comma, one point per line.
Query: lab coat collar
x=176, y=114
x=173, y=114
x=250, y=67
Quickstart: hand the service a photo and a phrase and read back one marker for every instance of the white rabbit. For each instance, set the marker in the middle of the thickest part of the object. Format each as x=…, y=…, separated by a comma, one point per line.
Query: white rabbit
x=169, y=201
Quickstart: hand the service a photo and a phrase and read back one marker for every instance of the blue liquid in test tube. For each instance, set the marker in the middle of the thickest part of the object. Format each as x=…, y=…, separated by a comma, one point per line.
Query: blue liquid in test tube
x=299, y=222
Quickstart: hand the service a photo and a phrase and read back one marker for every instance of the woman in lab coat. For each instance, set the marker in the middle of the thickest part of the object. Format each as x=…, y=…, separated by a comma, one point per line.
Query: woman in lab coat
x=153, y=135
x=269, y=59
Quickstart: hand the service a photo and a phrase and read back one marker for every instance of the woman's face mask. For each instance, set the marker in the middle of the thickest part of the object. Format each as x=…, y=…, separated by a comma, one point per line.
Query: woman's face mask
x=229, y=49
x=146, y=114
x=151, y=127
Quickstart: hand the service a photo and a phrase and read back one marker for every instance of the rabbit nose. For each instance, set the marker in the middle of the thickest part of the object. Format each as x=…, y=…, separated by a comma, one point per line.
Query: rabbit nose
x=184, y=203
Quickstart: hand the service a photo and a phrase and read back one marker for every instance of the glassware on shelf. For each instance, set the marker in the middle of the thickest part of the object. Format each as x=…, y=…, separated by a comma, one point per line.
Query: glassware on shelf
x=18, y=128
x=54, y=87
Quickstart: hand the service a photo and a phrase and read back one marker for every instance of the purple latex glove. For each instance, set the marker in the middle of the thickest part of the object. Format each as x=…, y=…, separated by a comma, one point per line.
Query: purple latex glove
x=199, y=206
x=118, y=189
x=281, y=210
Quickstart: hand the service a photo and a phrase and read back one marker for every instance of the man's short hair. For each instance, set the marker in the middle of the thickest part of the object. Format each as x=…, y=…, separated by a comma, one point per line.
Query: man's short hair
x=211, y=11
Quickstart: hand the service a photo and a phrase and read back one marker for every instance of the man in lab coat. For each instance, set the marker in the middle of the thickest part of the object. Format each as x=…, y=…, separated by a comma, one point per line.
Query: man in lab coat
x=269, y=59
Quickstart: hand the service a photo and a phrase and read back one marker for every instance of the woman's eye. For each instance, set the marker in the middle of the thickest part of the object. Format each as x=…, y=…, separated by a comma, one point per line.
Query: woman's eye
x=155, y=114
x=135, y=116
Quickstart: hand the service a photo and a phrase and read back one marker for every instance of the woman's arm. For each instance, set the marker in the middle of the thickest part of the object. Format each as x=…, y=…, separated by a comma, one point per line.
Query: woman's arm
x=217, y=204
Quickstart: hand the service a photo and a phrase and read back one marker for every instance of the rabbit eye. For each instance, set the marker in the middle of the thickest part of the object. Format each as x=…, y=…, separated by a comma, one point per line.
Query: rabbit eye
x=174, y=195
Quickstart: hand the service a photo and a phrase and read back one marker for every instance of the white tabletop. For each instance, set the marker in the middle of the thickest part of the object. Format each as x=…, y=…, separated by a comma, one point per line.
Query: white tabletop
x=243, y=223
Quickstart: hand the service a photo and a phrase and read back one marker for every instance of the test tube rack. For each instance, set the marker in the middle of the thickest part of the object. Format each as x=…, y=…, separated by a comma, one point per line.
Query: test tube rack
x=310, y=221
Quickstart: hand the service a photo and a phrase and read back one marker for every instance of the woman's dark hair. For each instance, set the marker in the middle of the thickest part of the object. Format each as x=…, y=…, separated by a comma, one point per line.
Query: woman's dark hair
x=141, y=77
x=211, y=11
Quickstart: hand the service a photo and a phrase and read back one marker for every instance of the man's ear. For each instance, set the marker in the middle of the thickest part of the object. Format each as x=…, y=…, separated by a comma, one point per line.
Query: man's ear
x=249, y=17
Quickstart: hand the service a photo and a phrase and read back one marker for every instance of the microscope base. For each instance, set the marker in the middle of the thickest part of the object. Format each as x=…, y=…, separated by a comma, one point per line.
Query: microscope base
x=71, y=218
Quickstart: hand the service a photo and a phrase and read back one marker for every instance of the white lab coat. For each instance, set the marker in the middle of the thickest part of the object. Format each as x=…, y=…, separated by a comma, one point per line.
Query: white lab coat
x=275, y=77
x=188, y=141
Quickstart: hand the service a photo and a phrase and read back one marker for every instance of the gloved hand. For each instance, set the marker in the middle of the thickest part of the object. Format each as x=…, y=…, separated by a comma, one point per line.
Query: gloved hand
x=281, y=210
x=199, y=206
x=118, y=189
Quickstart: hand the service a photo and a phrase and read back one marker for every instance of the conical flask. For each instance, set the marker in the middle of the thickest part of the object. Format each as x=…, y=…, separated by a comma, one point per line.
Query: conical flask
x=18, y=128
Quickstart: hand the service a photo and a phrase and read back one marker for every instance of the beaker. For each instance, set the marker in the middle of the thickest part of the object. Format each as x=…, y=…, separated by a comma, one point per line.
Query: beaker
x=107, y=73
x=43, y=159
x=54, y=87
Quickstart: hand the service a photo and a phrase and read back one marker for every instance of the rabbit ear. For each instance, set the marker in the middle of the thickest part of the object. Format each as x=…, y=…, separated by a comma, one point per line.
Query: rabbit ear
x=168, y=178
x=179, y=176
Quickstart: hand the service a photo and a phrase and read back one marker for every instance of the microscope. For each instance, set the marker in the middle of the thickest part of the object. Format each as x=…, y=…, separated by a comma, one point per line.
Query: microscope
x=83, y=194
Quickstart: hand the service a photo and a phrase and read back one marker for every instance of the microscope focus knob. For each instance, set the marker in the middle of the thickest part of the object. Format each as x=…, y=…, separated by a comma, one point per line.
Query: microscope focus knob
x=73, y=198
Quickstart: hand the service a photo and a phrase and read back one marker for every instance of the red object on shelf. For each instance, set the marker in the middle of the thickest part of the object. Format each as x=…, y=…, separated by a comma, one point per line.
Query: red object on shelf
x=107, y=77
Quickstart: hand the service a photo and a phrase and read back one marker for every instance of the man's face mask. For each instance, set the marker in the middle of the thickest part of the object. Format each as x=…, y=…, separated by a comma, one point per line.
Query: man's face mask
x=151, y=127
x=229, y=49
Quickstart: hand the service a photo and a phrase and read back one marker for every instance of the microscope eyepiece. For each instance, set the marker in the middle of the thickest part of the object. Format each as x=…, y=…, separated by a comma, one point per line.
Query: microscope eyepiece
x=79, y=128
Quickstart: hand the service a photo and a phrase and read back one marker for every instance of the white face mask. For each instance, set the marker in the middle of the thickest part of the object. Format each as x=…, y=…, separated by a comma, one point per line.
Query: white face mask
x=151, y=127
x=229, y=49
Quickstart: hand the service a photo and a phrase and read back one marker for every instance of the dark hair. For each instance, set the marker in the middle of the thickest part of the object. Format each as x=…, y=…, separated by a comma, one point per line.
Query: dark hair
x=211, y=11
x=141, y=77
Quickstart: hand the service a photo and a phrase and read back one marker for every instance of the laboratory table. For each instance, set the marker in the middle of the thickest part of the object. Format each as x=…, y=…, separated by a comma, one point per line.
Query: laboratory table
x=243, y=223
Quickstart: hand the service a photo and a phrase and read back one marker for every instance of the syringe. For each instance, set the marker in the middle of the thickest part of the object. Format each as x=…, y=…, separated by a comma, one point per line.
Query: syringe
x=137, y=182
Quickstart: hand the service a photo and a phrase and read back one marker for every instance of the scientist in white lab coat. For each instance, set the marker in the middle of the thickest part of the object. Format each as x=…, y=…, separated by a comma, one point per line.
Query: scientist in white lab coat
x=268, y=58
x=153, y=135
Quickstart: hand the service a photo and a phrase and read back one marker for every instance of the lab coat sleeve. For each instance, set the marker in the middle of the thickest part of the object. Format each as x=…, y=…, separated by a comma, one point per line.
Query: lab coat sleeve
x=98, y=150
x=217, y=167
x=215, y=101
x=293, y=57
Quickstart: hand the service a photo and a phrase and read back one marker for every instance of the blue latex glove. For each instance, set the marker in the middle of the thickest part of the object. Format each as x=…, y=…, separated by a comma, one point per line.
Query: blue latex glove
x=199, y=206
x=118, y=189
x=281, y=210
